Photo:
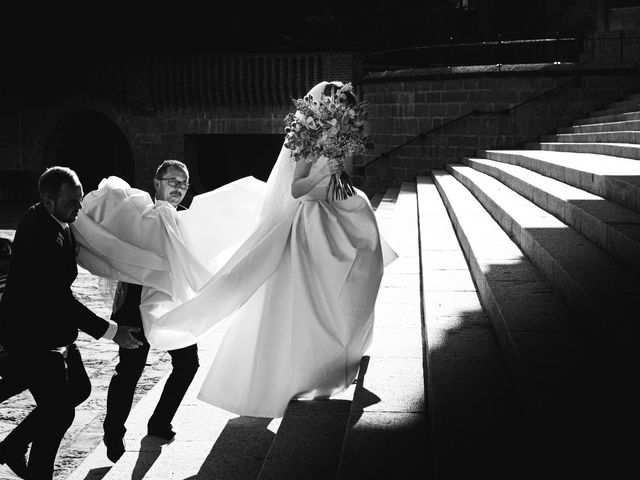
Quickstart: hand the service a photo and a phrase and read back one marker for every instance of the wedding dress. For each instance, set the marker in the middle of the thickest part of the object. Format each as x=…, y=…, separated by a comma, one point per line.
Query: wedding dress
x=297, y=280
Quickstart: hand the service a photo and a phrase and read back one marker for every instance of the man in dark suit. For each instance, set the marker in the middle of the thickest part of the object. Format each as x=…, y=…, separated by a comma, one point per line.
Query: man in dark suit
x=170, y=183
x=40, y=319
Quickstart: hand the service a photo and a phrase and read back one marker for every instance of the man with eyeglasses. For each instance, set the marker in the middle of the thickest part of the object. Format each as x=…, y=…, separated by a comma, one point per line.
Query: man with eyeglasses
x=170, y=183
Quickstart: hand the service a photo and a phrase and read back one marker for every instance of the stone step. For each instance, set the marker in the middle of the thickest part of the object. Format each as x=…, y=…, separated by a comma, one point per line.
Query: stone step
x=387, y=433
x=601, y=291
x=625, y=150
x=616, y=179
x=612, y=227
x=627, y=136
x=620, y=117
x=473, y=405
x=550, y=357
x=633, y=125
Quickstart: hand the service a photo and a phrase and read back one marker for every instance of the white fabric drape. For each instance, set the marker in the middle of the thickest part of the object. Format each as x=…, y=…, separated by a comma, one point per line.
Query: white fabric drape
x=297, y=279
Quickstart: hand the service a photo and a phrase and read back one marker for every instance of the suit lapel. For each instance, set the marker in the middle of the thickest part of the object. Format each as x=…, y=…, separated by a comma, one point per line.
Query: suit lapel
x=66, y=242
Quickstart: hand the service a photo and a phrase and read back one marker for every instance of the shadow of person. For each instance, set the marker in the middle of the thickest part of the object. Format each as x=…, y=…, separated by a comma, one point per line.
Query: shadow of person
x=239, y=451
x=97, y=473
x=150, y=449
x=362, y=398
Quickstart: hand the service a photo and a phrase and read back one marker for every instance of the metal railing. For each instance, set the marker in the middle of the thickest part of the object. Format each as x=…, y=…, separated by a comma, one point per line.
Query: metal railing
x=498, y=51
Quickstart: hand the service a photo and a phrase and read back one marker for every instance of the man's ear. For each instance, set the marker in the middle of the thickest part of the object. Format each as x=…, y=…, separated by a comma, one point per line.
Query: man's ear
x=49, y=204
x=156, y=184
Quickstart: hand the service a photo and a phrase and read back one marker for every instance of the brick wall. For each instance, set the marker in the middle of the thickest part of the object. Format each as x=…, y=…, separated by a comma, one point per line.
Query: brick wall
x=155, y=140
x=404, y=104
x=617, y=38
x=341, y=66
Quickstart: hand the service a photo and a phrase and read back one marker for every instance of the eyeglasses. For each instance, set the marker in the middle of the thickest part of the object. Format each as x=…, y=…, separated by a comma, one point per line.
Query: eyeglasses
x=174, y=182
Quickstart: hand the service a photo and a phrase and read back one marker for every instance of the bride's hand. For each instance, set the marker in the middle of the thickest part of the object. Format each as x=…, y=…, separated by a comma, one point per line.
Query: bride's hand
x=325, y=171
x=312, y=157
x=335, y=166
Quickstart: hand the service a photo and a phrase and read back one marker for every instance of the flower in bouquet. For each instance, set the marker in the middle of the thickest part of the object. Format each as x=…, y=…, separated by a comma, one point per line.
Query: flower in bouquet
x=333, y=127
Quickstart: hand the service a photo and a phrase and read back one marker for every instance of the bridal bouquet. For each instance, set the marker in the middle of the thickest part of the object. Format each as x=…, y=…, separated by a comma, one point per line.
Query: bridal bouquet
x=332, y=128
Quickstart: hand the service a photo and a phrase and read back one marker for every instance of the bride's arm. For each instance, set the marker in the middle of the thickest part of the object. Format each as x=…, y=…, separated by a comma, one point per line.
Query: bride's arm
x=303, y=183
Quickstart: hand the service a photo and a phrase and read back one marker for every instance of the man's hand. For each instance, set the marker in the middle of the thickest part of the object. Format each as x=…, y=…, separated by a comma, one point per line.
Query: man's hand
x=124, y=338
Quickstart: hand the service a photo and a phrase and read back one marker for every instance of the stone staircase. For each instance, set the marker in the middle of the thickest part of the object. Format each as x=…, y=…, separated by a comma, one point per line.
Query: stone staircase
x=551, y=235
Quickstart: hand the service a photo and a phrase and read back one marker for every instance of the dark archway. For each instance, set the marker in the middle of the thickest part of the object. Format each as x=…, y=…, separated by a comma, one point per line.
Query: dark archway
x=91, y=144
x=223, y=158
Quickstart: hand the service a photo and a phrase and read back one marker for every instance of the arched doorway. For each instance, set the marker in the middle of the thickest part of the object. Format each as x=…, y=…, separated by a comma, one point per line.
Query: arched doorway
x=91, y=144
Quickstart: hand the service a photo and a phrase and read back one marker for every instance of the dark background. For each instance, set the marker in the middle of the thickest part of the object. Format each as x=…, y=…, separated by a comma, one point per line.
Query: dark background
x=80, y=27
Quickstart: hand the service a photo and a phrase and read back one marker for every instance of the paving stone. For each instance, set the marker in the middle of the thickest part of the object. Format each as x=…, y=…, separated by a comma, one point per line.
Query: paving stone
x=444, y=259
x=452, y=303
x=461, y=336
x=448, y=280
x=400, y=279
x=100, y=358
x=396, y=342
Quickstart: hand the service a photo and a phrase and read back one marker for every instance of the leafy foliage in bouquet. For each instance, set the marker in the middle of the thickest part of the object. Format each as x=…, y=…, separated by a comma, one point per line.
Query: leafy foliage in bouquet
x=332, y=127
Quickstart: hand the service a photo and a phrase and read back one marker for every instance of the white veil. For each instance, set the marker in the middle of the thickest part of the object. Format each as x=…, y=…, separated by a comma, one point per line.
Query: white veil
x=278, y=198
x=172, y=325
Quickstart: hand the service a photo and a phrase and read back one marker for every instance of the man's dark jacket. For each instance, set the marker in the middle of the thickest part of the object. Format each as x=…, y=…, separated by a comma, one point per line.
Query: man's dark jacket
x=38, y=310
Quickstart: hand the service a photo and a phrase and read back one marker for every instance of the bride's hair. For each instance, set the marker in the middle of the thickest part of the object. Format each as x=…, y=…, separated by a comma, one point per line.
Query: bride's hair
x=331, y=88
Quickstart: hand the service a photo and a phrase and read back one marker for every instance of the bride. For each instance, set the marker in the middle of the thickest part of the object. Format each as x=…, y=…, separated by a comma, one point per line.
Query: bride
x=295, y=275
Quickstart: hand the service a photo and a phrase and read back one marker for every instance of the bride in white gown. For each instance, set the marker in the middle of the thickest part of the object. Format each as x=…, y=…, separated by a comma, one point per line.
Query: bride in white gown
x=297, y=278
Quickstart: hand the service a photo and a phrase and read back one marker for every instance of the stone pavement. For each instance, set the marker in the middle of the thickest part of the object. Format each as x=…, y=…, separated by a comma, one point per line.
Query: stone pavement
x=100, y=358
x=210, y=442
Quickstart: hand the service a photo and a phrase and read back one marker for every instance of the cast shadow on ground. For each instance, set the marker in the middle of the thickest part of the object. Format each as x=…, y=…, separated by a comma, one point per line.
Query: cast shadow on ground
x=239, y=451
x=150, y=450
x=362, y=398
x=98, y=473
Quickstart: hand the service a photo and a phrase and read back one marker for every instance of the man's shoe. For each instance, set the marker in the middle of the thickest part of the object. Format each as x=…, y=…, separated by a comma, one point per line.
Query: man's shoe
x=16, y=462
x=115, y=447
x=163, y=432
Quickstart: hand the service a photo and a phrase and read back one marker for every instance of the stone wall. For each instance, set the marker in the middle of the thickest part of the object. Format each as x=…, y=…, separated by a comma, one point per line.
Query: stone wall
x=616, y=38
x=405, y=104
x=155, y=140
